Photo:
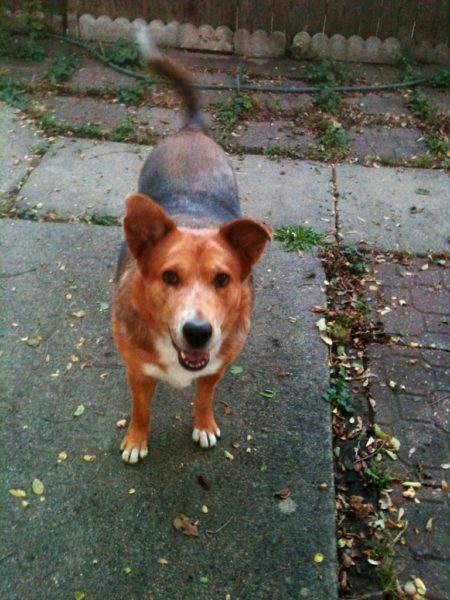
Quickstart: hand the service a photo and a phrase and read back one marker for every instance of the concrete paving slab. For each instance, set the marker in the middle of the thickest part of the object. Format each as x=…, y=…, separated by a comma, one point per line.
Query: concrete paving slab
x=265, y=135
x=78, y=177
x=77, y=111
x=394, y=209
x=17, y=158
x=396, y=142
x=102, y=173
x=87, y=532
x=379, y=104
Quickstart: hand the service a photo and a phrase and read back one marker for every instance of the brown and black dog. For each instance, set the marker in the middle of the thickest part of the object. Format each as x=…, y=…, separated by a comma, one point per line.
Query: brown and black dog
x=182, y=305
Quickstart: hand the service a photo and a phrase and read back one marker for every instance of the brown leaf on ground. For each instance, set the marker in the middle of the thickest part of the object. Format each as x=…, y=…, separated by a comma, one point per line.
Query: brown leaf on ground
x=186, y=525
x=283, y=494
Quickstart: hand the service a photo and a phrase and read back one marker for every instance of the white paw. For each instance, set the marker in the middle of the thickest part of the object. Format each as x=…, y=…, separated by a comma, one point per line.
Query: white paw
x=133, y=455
x=204, y=438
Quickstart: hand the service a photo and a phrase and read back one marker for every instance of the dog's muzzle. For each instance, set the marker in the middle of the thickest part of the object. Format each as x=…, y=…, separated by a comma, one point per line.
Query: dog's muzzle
x=196, y=335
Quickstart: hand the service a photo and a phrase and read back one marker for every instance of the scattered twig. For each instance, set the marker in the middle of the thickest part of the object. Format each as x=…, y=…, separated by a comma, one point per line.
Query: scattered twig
x=371, y=454
x=8, y=275
x=210, y=532
x=441, y=399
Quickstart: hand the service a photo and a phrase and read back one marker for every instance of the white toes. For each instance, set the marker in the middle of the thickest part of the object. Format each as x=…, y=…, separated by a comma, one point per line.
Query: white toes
x=205, y=439
x=134, y=455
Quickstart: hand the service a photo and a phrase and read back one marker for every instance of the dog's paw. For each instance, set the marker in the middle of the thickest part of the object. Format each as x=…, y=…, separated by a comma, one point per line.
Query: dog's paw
x=206, y=439
x=133, y=448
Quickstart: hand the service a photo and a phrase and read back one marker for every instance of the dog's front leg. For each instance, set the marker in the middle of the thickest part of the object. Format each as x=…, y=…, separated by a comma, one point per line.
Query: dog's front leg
x=206, y=431
x=134, y=444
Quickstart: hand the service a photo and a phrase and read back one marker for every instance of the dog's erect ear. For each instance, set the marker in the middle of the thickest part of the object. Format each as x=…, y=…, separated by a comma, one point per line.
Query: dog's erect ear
x=145, y=224
x=248, y=238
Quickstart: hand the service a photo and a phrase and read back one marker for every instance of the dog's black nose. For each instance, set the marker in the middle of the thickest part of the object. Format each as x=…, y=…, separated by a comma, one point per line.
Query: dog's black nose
x=197, y=333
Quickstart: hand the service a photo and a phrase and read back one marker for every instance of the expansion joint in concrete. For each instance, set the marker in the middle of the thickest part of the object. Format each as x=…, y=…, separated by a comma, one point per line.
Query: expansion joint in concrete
x=335, y=195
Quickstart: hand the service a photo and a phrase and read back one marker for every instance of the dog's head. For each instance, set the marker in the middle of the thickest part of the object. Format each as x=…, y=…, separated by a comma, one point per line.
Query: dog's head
x=192, y=283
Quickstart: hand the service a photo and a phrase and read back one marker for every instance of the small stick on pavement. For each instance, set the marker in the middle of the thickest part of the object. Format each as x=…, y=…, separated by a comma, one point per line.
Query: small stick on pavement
x=210, y=532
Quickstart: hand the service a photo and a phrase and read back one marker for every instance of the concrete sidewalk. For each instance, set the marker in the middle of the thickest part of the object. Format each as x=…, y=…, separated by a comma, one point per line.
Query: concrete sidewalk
x=88, y=532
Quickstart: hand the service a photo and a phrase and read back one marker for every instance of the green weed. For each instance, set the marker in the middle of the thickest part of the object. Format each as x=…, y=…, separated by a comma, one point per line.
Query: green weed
x=228, y=114
x=13, y=94
x=441, y=79
x=124, y=130
x=333, y=144
x=105, y=220
x=123, y=52
x=133, y=94
x=387, y=161
x=337, y=393
x=356, y=259
x=231, y=111
x=387, y=578
x=378, y=476
x=62, y=68
x=298, y=237
x=326, y=72
x=328, y=100
x=437, y=145
x=420, y=105
x=90, y=130
x=27, y=50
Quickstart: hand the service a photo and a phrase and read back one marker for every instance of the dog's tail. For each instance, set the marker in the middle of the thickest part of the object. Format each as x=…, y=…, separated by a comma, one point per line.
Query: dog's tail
x=180, y=79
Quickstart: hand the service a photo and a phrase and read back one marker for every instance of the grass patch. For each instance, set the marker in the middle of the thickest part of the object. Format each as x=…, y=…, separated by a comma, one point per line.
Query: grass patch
x=441, y=79
x=299, y=237
x=62, y=68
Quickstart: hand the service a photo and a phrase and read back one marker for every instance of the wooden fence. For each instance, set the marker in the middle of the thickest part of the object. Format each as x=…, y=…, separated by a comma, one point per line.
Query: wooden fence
x=415, y=20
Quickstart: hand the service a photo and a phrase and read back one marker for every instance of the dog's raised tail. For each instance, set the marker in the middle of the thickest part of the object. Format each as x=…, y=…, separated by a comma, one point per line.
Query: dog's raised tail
x=180, y=78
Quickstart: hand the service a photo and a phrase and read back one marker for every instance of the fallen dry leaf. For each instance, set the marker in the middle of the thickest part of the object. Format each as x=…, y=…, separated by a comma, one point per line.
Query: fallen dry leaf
x=163, y=561
x=89, y=458
x=184, y=524
x=121, y=423
x=18, y=493
x=38, y=487
x=318, y=557
x=283, y=494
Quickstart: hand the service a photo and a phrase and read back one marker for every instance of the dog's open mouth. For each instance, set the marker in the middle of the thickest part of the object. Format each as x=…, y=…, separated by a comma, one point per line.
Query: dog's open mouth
x=193, y=360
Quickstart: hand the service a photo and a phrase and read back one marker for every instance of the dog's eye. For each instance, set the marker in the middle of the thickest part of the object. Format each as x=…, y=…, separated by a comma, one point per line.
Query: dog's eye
x=221, y=280
x=170, y=278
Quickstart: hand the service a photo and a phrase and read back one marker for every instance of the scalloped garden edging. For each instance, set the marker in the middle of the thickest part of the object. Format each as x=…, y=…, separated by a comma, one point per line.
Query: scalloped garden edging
x=260, y=43
x=242, y=42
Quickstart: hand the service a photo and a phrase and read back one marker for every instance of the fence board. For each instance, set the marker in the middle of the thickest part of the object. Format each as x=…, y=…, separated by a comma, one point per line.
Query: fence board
x=316, y=10
x=298, y=16
x=253, y=17
x=407, y=18
x=432, y=15
x=280, y=15
x=344, y=16
x=389, y=20
x=370, y=16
